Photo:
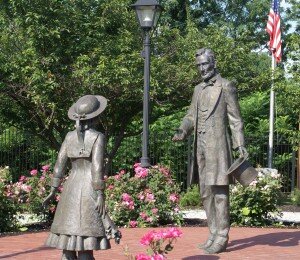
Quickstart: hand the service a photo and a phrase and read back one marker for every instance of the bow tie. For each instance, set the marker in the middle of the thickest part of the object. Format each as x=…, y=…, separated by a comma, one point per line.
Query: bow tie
x=208, y=83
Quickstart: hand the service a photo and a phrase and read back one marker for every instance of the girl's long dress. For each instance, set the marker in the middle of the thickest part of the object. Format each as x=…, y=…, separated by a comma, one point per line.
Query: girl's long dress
x=77, y=225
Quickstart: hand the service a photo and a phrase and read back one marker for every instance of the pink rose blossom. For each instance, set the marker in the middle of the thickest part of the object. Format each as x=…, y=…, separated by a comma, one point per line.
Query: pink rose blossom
x=110, y=187
x=149, y=219
x=148, y=238
x=141, y=196
x=173, y=197
x=136, y=165
x=52, y=209
x=126, y=197
x=142, y=256
x=141, y=172
x=127, y=201
x=45, y=168
x=26, y=188
x=60, y=188
x=154, y=210
x=22, y=178
x=150, y=197
x=34, y=172
x=172, y=233
x=158, y=257
x=143, y=215
x=57, y=198
x=133, y=224
x=105, y=177
x=165, y=171
x=42, y=178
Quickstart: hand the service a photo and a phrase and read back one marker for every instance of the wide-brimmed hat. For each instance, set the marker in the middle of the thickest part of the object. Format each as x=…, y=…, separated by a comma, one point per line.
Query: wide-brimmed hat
x=87, y=107
x=243, y=171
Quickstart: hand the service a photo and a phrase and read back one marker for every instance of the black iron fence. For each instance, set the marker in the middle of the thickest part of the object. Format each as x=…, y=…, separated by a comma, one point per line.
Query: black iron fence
x=22, y=152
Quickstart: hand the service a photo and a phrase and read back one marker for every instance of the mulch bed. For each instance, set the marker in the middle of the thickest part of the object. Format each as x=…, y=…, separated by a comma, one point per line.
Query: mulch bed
x=290, y=208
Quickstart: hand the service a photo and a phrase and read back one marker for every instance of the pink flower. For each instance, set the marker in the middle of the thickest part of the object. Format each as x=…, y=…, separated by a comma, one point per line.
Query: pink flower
x=172, y=233
x=158, y=257
x=176, y=209
x=110, y=187
x=122, y=172
x=141, y=172
x=127, y=201
x=22, y=178
x=26, y=188
x=143, y=215
x=164, y=171
x=117, y=177
x=34, y=172
x=42, y=178
x=60, y=188
x=52, y=209
x=142, y=256
x=105, y=177
x=126, y=197
x=57, y=198
x=148, y=238
x=154, y=210
x=149, y=219
x=133, y=223
x=150, y=197
x=173, y=197
x=136, y=165
x=141, y=196
x=45, y=168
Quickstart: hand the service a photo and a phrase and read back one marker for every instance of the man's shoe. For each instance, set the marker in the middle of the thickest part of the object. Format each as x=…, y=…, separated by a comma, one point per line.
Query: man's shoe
x=216, y=248
x=206, y=245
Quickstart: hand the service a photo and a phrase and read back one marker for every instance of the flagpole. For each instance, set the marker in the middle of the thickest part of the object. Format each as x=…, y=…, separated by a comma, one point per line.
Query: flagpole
x=271, y=120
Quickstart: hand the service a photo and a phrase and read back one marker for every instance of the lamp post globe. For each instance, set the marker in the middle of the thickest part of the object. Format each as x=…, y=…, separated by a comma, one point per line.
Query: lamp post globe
x=147, y=13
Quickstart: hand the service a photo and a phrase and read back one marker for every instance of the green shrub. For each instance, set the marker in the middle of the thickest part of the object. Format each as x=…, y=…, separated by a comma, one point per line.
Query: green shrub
x=8, y=208
x=295, y=197
x=190, y=198
x=149, y=198
x=257, y=204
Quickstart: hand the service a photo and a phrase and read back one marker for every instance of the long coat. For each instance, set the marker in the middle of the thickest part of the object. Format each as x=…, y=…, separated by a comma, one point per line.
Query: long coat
x=76, y=214
x=223, y=113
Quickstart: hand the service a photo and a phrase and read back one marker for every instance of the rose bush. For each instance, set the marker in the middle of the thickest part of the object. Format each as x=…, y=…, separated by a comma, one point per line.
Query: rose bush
x=30, y=191
x=8, y=209
x=146, y=197
x=257, y=204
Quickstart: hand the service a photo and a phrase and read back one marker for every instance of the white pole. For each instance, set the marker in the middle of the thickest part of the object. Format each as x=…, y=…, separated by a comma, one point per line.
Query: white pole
x=271, y=122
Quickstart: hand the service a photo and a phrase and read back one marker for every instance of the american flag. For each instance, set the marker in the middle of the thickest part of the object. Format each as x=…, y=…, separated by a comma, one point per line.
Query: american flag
x=273, y=29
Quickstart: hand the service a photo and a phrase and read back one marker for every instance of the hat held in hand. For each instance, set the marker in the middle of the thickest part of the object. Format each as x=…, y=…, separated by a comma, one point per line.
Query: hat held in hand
x=243, y=171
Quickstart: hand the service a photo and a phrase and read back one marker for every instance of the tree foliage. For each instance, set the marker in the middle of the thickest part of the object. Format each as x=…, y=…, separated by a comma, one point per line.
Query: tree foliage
x=52, y=52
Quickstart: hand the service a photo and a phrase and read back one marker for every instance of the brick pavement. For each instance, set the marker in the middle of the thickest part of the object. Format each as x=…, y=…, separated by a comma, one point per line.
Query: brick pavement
x=245, y=243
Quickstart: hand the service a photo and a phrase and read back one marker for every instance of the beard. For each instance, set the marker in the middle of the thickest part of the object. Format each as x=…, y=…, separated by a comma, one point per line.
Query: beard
x=208, y=74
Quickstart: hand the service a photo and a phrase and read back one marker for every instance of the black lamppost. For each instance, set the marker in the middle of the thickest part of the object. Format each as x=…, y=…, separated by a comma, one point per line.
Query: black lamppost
x=147, y=12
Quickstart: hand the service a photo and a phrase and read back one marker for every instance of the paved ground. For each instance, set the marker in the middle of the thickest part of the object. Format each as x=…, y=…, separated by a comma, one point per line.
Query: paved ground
x=245, y=243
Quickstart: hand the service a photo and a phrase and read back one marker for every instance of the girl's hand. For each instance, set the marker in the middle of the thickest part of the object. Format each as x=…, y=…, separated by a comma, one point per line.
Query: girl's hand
x=100, y=204
x=50, y=197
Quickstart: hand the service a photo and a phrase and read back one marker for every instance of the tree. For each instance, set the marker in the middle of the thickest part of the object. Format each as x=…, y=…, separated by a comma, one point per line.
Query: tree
x=52, y=52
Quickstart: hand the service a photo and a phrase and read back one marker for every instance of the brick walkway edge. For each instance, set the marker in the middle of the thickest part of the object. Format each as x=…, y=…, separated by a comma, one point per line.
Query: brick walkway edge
x=245, y=243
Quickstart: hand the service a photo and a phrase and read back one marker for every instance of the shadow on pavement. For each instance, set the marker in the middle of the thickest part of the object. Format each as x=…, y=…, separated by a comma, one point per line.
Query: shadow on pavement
x=40, y=248
x=282, y=239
